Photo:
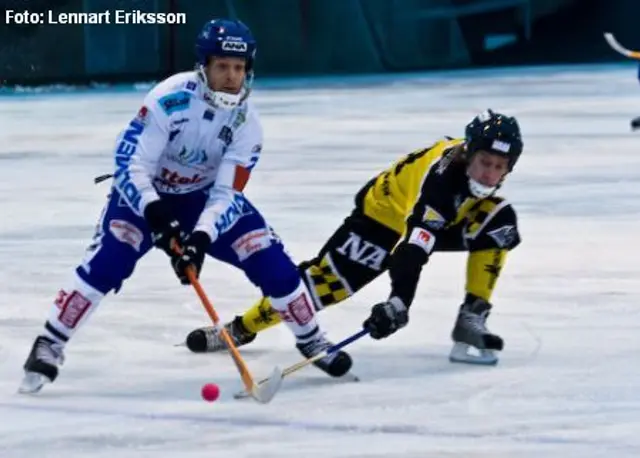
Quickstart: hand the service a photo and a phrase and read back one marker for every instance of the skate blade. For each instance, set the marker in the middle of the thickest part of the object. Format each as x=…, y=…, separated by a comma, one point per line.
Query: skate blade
x=350, y=377
x=460, y=354
x=32, y=383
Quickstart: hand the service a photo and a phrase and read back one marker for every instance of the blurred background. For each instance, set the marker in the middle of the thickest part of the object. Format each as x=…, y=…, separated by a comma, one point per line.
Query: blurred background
x=312, y=37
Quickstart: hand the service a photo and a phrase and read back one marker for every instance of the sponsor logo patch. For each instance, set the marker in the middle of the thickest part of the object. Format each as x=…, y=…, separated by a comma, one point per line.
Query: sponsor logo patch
x=251, y=243
x=73, y=307
x=300, y=310
x=422, y=238
x=126, y=232
x=234, y=46
x=504, y=236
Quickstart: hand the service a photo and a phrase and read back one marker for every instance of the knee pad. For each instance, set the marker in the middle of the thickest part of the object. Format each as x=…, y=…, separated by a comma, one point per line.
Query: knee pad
x=273, y=271
x=108, y=266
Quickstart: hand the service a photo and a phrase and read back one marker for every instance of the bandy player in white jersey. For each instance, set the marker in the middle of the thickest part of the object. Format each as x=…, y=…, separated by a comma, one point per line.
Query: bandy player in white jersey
x=180, y=169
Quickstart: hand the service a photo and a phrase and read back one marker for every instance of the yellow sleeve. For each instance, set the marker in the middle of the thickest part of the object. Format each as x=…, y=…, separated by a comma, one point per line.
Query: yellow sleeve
x=483, y=270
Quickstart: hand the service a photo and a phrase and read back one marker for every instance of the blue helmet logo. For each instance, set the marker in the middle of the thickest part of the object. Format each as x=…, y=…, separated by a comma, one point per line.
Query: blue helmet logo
x=234, y=46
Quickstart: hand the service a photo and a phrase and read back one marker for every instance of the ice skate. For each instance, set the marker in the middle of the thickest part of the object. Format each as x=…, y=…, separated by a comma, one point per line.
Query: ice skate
x=209, y=340
x=473, y=343
x=335, y=364
x=42, y=364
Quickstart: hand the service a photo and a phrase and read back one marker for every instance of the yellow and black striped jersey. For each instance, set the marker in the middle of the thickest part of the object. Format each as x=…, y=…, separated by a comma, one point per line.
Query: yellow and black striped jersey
x=421, y=187
x=425, y=198
x=426, y=191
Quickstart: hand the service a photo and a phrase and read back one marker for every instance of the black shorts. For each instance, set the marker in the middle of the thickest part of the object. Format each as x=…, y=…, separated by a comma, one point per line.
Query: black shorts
x=356, y=254
x=358, y=251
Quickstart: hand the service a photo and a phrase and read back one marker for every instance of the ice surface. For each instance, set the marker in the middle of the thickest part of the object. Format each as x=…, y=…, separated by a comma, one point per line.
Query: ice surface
x=568, y=384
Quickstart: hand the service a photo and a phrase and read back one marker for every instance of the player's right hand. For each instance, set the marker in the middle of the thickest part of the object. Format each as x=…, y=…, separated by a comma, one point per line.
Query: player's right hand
x=386, y=318
x=192, y=256
x=165, y=229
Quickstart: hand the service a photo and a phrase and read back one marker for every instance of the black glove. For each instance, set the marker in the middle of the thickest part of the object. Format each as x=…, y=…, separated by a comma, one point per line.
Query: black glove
x=165, y=229
x=193, y=250
x=386, y=318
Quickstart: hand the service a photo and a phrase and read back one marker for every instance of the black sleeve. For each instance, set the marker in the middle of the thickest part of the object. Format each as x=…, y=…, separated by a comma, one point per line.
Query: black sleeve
x=404, y=269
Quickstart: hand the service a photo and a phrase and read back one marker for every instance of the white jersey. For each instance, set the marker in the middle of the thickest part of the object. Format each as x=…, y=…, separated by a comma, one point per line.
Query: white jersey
x=178, y=144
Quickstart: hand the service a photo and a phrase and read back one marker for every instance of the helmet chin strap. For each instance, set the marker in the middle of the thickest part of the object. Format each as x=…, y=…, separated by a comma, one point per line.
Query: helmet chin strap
x=479, y=190
x=219, y=99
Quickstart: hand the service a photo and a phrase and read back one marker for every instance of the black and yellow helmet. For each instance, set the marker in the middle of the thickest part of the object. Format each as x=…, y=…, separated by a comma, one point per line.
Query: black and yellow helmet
x=495, y=133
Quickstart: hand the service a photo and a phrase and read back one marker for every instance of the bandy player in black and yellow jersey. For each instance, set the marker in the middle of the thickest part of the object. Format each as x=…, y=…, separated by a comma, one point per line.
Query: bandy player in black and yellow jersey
x=441, y=198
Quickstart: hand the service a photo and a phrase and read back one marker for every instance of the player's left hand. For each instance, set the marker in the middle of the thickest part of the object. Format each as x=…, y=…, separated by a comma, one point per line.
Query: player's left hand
x=194, y=249
x=386, y=318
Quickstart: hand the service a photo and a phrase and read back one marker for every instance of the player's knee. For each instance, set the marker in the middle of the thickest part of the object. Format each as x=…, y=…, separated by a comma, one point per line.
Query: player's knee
x=109, y=268
x=272, y=271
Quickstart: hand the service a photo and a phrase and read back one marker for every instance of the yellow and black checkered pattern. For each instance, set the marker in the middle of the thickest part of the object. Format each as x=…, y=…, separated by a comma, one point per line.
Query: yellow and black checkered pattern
x=329, y=288
x=327, y=285
x=479, y=213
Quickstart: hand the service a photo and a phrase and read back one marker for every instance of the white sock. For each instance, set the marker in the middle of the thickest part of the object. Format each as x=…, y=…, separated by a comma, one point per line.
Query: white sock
x=72, y=307
x=297, y=311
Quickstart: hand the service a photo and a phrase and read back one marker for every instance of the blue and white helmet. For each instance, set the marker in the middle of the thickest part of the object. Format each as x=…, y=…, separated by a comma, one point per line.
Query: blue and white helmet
x=225, y=38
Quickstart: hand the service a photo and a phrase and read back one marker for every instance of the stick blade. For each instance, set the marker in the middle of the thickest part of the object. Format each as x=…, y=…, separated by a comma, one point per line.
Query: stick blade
x=616, y=46
x=267, y=389
x=611, y=40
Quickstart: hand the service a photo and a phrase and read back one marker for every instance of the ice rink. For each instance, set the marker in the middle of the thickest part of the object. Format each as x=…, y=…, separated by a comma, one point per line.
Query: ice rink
x=567, y=304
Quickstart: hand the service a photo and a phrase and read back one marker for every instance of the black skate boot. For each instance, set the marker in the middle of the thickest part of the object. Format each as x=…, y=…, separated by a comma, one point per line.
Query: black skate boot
x=336, y=364
x=635, y=123
x=42, y=365
x=470, y=330
x=208, y=339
